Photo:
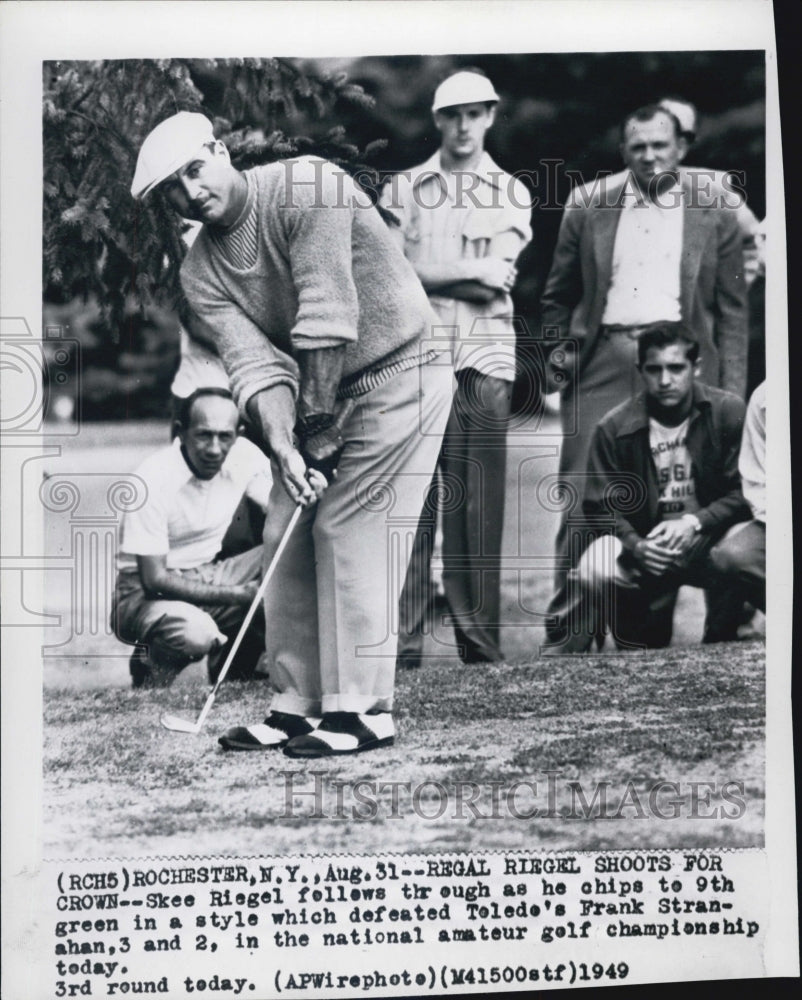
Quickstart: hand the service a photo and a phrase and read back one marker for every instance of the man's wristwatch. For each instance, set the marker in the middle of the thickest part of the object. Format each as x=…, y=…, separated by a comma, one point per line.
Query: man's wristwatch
x=313, y=423
x=697, y=524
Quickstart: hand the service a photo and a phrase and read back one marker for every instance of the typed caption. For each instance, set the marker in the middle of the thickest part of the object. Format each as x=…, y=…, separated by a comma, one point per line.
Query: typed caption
x=403, y=925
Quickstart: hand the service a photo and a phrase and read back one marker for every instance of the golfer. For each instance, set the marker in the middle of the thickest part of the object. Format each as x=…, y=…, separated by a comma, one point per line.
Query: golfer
x=311, y=304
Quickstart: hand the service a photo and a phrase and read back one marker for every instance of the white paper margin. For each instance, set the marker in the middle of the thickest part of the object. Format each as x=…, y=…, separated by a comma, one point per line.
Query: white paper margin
x=33, y=32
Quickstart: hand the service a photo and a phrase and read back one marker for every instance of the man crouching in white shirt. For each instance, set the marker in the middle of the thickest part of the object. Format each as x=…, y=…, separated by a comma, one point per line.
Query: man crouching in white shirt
x=176, y=598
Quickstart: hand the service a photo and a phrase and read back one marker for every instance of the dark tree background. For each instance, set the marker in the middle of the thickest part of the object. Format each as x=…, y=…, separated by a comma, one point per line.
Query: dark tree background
x=111, y=265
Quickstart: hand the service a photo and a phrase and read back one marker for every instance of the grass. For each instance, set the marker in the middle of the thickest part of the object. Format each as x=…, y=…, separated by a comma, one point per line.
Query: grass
x=696, y=719
x=117, y=784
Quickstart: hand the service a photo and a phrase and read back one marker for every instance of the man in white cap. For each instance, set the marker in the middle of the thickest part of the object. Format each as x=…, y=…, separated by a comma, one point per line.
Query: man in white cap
x=310, y=304
x=722, y=185
x=464, y=222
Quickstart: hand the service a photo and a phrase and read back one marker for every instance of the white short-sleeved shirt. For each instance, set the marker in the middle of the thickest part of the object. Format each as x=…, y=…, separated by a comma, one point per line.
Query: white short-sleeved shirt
x=467, y=214
x=752, y=461
x=185, y=518
x=199, y=368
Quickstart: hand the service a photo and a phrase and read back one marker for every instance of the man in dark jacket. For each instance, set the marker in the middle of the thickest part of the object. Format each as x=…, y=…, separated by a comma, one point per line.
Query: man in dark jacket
x=662, y=488
x=651, y=244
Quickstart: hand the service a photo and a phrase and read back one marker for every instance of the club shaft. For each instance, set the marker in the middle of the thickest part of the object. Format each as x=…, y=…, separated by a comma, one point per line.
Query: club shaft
x=249, y=616
x=343, y=413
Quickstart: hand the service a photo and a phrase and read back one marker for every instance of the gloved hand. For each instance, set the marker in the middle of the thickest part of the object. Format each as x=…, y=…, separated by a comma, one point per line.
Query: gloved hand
x=320, y=443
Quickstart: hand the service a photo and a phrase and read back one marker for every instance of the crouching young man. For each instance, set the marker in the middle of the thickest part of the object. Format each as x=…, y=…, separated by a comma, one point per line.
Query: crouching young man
x=175, y=597
x=663, y=487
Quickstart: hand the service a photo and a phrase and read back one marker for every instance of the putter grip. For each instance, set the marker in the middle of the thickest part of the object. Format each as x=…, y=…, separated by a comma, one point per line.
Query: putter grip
x=322, y=449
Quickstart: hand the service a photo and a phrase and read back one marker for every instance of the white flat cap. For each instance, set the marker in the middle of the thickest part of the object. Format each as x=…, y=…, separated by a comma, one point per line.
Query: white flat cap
x=169, y=146
x=684, y=113
x=464, y=87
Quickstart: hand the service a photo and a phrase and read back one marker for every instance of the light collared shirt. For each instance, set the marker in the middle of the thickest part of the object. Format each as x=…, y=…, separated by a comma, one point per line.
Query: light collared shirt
x=447, y=217
x=199, y=368
x=645, y=281
x=185, y=518
x=752, y=459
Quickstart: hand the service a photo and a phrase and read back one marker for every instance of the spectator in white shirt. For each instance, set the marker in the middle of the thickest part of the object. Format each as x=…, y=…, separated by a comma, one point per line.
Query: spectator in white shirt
x=175, y=597
x=743, y=552
x=722, y=185
x=199, y=364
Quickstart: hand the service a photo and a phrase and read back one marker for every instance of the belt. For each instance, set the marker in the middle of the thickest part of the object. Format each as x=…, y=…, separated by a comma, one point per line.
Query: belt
x=363, y=381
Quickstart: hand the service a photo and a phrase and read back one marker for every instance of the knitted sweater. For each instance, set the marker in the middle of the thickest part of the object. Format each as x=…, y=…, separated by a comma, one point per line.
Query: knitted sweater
x=327, y=272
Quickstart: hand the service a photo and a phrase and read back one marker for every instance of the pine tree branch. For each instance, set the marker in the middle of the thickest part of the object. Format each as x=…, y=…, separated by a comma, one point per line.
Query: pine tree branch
x=89, y=90
x=107, y=128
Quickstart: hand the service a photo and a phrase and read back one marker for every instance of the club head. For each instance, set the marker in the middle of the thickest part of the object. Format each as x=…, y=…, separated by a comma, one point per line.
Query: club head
x=178, y=725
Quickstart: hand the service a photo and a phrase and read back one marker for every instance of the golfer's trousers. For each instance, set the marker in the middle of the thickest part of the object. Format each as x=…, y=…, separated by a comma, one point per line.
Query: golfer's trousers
x=469, y=491
x=331, y=610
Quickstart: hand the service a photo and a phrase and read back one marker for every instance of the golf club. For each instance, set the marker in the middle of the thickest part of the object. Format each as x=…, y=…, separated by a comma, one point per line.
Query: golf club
x=178, y=725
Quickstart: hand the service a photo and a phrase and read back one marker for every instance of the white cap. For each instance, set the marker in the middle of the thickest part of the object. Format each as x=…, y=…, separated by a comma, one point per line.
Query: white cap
x=683, y=112
x=464, y=87
x=168, y=147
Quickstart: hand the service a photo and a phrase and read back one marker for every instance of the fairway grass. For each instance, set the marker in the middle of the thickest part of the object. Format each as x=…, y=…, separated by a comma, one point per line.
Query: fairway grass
x=118, y=785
